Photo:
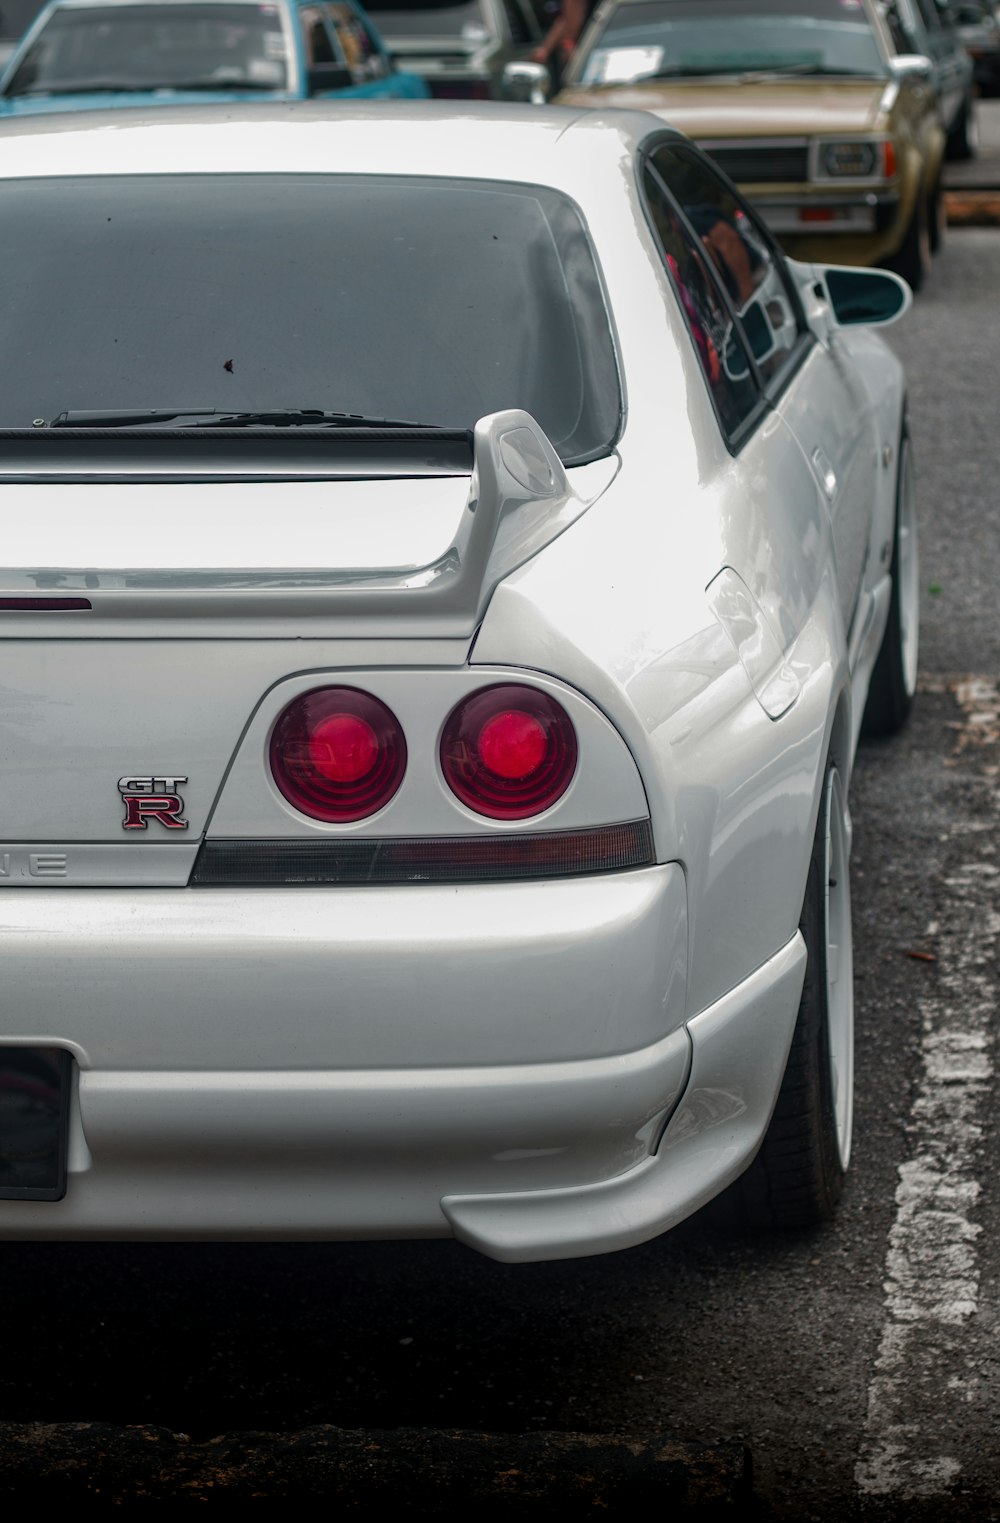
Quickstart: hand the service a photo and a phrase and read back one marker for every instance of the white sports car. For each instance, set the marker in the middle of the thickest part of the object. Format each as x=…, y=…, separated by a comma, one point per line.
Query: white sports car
x=448, y=559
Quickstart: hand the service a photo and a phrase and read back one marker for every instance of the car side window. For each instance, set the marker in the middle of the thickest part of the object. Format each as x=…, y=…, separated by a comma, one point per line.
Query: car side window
x=316, y=38
x=362, y=54
x=930, y=13
x=741, y=253
x=904, y=17
x=717, y=341
x=520, y=32
x=902, y=40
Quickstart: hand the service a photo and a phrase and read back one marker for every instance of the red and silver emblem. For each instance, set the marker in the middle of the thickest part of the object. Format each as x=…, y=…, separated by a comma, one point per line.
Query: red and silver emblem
x=152, y=798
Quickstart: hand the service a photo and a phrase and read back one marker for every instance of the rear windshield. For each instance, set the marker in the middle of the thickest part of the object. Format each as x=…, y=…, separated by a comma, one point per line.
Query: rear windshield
x=149, y=47
x=16, y=16
x=431, y=18
x=421, y=300
x=662, y=39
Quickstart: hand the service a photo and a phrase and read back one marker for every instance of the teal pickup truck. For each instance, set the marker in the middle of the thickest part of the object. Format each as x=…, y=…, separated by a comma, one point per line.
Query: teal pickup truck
x=89, y=54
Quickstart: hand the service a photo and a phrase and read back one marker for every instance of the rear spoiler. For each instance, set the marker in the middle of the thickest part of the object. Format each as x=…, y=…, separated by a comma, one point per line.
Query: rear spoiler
x=520, y=498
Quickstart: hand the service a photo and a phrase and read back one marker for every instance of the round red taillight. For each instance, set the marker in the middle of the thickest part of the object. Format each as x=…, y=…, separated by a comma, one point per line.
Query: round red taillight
x=337, y=754
x=508, y=751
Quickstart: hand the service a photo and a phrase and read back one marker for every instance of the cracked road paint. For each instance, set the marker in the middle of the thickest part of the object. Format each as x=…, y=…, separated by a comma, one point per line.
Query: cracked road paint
x=932, y=1265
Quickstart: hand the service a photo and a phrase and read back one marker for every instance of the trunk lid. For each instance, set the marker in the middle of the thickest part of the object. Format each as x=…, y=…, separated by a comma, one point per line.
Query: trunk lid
x=206, y=592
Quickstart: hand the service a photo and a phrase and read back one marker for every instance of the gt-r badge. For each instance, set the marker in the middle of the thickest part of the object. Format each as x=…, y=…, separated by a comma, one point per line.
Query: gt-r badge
x=152, y=798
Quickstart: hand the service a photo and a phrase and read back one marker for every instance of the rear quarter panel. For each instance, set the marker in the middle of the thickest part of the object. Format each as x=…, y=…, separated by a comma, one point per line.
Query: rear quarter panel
x=617, y=607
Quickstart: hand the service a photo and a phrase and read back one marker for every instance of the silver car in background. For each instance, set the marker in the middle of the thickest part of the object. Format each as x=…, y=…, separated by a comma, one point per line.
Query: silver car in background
x=929, y=28
x=979, y=29
x=460, y=47
x=448, y=565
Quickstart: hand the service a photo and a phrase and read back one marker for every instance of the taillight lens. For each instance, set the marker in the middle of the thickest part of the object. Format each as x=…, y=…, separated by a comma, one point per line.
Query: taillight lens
x=338, y=754
x=508, y=752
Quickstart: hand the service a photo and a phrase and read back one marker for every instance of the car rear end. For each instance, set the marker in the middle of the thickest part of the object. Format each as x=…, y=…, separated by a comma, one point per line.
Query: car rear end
x=312, y=927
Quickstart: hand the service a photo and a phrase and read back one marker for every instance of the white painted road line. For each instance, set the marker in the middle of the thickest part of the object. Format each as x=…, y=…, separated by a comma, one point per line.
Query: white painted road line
x=932, y=1269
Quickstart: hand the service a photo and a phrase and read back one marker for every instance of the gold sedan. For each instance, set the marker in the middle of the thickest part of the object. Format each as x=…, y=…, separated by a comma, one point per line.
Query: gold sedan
x=804, y=103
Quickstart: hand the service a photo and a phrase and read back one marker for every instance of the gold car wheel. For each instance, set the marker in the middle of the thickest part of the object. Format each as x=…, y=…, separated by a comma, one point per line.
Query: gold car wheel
x=913, y=260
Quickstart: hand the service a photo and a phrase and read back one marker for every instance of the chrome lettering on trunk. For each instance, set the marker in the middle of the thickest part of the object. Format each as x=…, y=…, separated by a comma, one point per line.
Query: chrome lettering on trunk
x=33, y=864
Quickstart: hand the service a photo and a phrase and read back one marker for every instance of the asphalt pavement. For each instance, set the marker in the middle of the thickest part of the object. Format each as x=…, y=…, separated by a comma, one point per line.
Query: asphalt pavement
x=858, y=1364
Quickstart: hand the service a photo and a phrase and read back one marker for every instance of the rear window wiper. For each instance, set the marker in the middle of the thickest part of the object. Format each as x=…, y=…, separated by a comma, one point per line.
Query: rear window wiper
x=211, y=417
x=304, y=417
x=117, y=417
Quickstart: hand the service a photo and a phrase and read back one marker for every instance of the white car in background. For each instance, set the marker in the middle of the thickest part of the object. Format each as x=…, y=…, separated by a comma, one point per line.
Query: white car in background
x=447, y=567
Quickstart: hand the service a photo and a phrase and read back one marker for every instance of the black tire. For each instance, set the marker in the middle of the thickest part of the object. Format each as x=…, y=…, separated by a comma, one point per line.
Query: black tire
x=913, y=259
x=894, y=678
x=937, y=219
x=963, y=139
x=797, y=1177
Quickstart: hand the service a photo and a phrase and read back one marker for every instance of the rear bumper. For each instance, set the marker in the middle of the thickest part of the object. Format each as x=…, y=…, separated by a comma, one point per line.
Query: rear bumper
x=533, y=1156
x=738, y=1052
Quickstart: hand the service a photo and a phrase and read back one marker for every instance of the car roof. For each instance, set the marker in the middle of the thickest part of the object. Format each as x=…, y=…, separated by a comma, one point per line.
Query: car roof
x=548, y=145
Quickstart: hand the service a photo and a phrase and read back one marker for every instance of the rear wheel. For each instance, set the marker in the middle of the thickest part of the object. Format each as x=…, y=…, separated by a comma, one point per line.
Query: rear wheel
x=963, y=139
x=894, y=678
x=797, y=1177
x=937, y=219
x=913, y=260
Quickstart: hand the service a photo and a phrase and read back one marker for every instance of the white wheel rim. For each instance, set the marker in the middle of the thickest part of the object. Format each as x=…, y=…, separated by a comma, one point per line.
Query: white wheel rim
x=908, y=575
x=839, y=962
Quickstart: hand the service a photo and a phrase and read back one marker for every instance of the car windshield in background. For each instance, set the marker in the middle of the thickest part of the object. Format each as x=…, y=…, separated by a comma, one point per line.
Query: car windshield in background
x=16, y=16
x=437, y=301
x=663, y=39
x=464, y=19
x=202, y=46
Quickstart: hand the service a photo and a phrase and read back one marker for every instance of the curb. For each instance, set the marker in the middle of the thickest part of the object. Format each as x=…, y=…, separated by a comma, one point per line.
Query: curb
x=418, y=1472
x=973, y=208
